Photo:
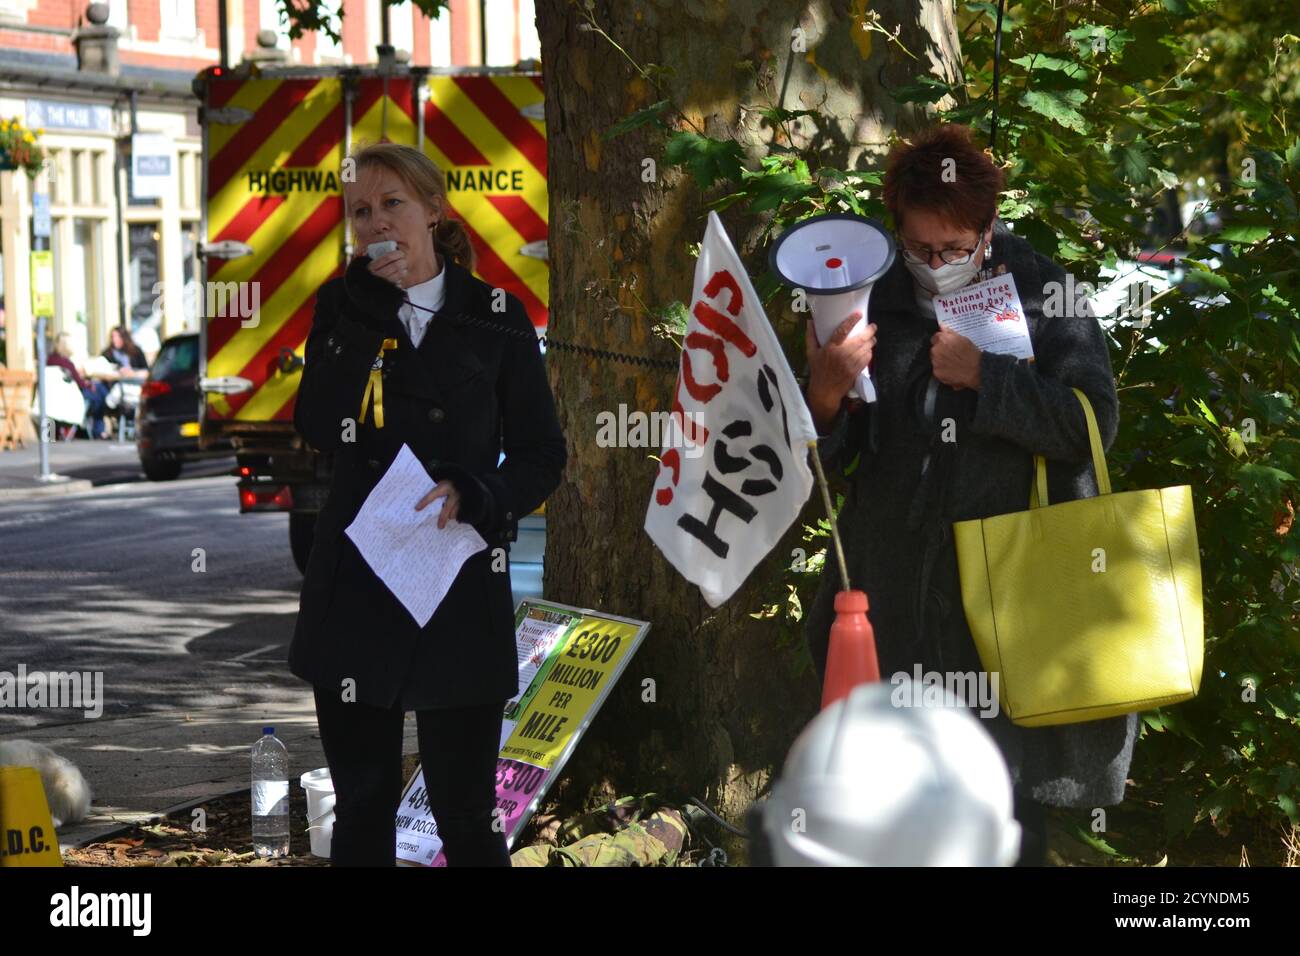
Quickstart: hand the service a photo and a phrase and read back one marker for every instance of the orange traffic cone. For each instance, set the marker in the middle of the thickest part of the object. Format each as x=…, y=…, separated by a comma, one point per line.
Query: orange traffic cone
x=851, y=659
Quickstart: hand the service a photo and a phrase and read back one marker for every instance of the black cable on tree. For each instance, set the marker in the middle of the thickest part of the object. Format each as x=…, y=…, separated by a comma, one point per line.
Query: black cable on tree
x=997, y=56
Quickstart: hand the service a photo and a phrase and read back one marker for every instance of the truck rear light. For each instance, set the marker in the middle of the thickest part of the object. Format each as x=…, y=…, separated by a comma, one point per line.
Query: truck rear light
x=154, y=389
x=265, y=498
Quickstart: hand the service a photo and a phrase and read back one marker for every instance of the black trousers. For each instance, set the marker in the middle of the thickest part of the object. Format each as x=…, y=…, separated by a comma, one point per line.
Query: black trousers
x=1032, y=817
x=458, y=752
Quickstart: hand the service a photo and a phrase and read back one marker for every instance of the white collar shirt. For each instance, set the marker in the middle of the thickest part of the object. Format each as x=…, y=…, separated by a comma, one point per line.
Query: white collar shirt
x=430, y=297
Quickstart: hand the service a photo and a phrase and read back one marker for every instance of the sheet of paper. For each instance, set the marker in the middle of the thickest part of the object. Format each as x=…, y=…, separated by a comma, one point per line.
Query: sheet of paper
x=404, y=547
x=988, y=313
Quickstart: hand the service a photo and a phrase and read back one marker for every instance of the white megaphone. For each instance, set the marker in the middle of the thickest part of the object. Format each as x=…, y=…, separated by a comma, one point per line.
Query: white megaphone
x=836, y=258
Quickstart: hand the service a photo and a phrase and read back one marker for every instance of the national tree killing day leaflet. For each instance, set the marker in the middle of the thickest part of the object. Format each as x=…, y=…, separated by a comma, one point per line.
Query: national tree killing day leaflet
x=988, y=313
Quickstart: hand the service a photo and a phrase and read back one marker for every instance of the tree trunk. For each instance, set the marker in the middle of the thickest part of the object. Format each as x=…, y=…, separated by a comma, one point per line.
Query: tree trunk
x=729, y=695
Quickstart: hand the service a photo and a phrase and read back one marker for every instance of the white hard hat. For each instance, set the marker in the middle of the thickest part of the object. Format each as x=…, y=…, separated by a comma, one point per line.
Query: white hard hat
x=871, y=783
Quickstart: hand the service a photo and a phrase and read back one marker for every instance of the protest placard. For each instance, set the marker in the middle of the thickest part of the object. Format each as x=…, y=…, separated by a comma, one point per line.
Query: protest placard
x=569, y=658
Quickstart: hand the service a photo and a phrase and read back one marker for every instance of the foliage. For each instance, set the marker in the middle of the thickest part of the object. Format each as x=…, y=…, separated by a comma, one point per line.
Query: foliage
x=20, y=148
x=1100, y=127
x=308, y=16
x=1111, y=116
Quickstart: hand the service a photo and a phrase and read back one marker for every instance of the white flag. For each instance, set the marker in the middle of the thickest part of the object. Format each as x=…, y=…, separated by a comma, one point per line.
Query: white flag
x=734, y=469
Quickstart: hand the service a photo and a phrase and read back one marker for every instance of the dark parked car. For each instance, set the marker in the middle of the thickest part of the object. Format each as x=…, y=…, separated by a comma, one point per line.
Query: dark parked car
x=167, y=422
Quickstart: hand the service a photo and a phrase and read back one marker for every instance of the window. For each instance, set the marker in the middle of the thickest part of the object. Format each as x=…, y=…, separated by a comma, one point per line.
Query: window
x=328, y=49
x=500, y=27
x=78, y=181
x=143, y=271
x=83, y=302
x=269, y=19
x=190, y=269
x=401, y=27
x=530, y=43
x=98, y=168
x=440, y=40
x=117, y=16
x=178, y=357
x=178, y=19
x=59, y=175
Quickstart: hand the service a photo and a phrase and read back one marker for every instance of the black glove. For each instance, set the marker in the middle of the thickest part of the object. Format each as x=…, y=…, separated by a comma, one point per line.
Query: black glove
x=375, y=301
x=477, y=503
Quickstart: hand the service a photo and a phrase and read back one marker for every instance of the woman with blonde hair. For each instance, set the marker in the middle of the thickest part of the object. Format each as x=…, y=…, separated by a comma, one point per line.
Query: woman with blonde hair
x=458, y=394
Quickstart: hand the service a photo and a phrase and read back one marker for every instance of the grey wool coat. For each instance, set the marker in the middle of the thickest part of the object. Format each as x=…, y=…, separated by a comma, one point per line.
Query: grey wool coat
x=909, y=486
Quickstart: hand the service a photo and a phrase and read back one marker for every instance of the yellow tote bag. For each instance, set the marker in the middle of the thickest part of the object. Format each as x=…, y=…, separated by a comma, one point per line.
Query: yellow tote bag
x=1090, y=608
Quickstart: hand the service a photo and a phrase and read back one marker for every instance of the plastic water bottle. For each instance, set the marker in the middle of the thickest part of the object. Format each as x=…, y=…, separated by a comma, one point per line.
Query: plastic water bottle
x=270, y=796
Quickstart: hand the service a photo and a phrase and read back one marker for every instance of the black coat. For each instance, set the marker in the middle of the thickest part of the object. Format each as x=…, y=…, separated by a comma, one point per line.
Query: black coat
x=897, y=519
x=465, y=395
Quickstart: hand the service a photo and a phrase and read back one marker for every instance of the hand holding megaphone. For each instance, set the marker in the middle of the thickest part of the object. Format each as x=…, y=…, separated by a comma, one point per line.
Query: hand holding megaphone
x=836, y=258
x=834, y=368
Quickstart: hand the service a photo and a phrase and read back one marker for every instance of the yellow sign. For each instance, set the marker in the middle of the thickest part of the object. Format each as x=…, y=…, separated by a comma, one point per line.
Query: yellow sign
x=575, y=681
x=26, y=830
x=43, y=282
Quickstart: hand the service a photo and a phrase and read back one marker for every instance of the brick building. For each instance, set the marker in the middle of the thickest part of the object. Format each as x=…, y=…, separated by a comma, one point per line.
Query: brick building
x=91, y=75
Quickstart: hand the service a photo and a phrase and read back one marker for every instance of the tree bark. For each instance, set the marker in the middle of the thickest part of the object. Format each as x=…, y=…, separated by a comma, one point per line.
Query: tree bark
x=729, y=694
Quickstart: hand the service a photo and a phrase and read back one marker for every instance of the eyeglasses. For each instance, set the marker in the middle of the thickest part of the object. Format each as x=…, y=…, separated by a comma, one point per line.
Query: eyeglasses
x=952, y=257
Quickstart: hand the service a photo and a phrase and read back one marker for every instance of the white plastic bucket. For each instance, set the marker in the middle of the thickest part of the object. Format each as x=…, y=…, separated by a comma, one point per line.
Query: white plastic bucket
x=320, y=809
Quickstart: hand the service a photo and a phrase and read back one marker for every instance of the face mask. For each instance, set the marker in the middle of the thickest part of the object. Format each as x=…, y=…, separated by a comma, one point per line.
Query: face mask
x=945, y=279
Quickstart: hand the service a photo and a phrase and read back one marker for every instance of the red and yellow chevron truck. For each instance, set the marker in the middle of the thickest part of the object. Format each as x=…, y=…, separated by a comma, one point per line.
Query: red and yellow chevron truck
x=274, y=142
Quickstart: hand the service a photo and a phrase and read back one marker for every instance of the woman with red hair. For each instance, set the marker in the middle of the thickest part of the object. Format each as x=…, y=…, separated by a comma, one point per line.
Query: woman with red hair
x=952, y=437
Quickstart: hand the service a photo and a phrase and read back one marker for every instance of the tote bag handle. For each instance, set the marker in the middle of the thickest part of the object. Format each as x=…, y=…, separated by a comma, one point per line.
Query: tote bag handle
x=1038, y=491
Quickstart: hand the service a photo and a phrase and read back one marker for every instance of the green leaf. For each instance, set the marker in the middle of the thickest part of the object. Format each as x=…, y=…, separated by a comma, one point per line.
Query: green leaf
x=924, y=89
x=1009, y=20
x=708, y=160
x=1154, y=720
x=1133, y=161
x=1288, y=805
x=770, y=191
x=1244, y=233
x=651, y=114
x=1037, y=61
x=1097, y=843
x=1235, y=443
x=1263, y=480
x=1011, y=208
x=1167, y=179
x=1205, y=410
x=1058, y=106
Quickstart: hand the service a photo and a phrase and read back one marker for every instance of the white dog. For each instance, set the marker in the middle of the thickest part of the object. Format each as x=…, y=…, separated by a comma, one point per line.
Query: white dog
x=66, y=789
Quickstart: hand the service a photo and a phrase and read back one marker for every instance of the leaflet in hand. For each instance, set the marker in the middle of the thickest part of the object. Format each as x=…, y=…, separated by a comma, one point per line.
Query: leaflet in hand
x=416, y=559
x=988, y=313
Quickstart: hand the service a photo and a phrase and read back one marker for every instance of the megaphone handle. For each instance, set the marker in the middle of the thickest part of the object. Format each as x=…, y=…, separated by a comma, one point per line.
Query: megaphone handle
x=865, y=389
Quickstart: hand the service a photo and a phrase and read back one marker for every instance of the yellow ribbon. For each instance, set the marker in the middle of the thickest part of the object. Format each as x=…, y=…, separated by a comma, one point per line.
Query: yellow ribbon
x=375, y=386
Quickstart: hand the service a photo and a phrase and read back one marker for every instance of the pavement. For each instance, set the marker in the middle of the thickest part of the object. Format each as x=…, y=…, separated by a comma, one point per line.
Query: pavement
x=193, y=664
x=80, y=465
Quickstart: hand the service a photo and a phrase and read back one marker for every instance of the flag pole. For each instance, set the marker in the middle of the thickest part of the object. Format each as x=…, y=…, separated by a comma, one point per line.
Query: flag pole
x=830, y=514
